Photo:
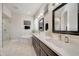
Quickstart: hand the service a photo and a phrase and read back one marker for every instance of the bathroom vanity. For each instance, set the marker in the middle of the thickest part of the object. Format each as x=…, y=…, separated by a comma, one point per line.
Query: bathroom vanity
x=49, y=46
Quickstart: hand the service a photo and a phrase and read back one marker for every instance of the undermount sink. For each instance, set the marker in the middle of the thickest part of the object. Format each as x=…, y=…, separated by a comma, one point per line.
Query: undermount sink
x=55, y=42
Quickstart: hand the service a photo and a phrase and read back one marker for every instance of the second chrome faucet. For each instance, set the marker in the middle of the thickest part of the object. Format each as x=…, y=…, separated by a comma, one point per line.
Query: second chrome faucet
x=66, y=39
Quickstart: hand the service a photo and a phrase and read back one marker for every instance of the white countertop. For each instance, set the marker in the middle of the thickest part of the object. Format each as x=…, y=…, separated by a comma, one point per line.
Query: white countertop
x=59, y=47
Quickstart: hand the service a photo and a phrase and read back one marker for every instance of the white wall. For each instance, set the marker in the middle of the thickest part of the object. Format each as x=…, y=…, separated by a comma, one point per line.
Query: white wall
x=17, y=26
x=0, y=25
x=7, y=11
x=48, y=19
x=36, y=29
x=6, y=29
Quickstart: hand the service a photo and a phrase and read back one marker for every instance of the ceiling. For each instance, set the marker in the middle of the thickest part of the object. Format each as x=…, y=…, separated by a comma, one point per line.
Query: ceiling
x=29, y=9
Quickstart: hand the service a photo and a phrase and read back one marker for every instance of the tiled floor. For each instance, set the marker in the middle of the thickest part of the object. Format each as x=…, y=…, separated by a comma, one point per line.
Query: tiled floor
x=18, y=47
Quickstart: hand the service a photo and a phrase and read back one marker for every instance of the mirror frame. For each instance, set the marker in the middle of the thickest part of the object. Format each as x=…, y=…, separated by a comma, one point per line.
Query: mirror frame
x=43, y=24
x=59, y=31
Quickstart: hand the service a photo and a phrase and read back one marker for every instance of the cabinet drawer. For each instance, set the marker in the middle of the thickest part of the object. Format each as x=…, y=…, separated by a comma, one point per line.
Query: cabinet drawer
x=47, y=50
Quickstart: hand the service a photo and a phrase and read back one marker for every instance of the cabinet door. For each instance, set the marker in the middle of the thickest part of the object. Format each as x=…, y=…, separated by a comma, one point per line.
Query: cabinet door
x=47, y=50
x=42, y=53
x=37, y=50
x=36, y=46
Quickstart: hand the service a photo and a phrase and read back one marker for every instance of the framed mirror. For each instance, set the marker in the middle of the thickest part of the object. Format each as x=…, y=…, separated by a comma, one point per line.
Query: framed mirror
x=65, y=19
x=41, y=24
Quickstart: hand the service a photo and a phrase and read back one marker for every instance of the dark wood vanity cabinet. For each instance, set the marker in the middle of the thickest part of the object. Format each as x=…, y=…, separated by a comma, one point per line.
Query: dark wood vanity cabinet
x=41, y=49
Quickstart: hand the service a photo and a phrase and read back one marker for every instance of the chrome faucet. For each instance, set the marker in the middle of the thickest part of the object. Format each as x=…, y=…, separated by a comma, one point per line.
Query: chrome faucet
x=66, y=39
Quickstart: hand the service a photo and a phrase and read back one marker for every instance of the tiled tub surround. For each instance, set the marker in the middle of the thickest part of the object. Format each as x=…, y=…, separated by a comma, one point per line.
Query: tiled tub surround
x=58, y=45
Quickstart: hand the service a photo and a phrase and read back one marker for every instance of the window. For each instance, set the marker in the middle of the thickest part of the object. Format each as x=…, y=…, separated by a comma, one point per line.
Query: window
x=27, y=24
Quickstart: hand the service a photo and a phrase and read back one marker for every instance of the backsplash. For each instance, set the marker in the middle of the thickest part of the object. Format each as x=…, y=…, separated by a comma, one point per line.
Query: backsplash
x=73, y=39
